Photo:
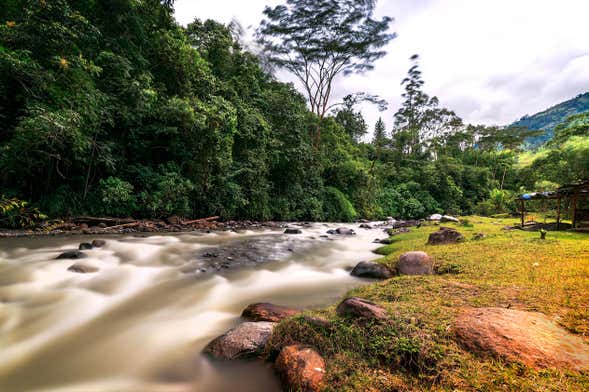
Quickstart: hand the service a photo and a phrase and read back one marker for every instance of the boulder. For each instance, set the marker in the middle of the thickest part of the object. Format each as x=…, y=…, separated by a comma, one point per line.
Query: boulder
x=415, y=263
x=365, y=226
x=102, y=225
x=342, y=231
x=529, y=338
x=290, y=230
x=445, y=235
x=361, y=308
x=386, y=241
x=85, y=246
x=82, y=268
x=370, y=269
x=98, y=243
x=301, y=368
x=435, y=217
x=245, y=340
x=268, y=312
x=72, y=254
x=448, y=218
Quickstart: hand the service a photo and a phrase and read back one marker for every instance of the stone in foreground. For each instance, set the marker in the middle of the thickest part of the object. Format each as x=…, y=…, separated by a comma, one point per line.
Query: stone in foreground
x=445, y=235
x=72, y=254
x=82, y=268
x=301, y=368
x=529, y=338
x=415, y=263
x=361, y=308
x=372, y=270
x=245, y=340
x=268, y=312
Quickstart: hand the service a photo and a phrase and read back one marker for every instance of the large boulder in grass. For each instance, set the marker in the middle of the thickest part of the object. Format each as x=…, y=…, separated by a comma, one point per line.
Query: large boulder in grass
x=435, y=217
x=301, y=368
x=448, y=218
x=415, y=263
x=268, y=312
x=361, y=308
x=529, y=338
x=245, y=340
x=445, y=235
x=372, y=270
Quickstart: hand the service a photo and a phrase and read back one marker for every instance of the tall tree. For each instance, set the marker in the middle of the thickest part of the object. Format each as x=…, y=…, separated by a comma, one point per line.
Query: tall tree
x=318, y=40
x=352, y=120
x=379, y=138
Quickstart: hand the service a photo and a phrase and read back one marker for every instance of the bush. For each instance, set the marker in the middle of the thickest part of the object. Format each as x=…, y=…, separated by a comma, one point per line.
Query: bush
x=116, y=197
x=168, y=193
x=337, y=207
x=16, y=213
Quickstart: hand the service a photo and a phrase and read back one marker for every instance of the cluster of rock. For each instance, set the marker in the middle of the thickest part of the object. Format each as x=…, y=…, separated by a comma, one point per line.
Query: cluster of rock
x=78, y=254
x=409, y=263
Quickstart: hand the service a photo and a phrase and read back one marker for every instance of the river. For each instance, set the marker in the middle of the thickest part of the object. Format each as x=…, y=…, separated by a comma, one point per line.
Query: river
x=140, y=322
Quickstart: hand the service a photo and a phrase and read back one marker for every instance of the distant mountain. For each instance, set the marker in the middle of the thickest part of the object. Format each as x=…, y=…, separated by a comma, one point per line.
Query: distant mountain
x=550, y=118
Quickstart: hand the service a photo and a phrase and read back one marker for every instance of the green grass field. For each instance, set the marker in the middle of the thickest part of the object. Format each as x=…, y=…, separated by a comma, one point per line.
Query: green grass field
x=416, y=350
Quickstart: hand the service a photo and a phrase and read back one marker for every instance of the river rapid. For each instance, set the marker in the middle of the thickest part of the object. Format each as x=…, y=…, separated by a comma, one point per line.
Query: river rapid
x=140, y=322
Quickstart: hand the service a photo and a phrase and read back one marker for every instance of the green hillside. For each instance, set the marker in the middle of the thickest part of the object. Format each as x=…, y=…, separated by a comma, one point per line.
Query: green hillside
x=550, y=118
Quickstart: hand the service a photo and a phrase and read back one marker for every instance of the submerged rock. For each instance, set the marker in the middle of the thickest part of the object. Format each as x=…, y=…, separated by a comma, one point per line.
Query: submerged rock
x=370, y=269
x=290, y=230
x=361, y=308
x=529, y=338
x=445, y=235
x=82, y=268
x=85, y=246
x=415, y=263
x=365, y=226
x=72, y=254
x=268, y=312
x=342, y=231
x=245, y=340
x=301, y=368
x=98, y=243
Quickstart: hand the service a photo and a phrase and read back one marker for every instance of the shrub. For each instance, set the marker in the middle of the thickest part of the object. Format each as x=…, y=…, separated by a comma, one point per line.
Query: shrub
x=16, y=213
x=116, y=197
x=337, y=207
x=169, y=193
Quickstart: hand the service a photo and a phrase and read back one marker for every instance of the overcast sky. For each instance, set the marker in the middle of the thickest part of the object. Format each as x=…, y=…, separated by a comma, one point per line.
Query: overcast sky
x=491, y=61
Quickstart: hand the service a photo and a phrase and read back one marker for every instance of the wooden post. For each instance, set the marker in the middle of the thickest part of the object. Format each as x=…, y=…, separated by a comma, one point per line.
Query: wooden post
x=558, y=213
x=575, y=210
x=523, y=211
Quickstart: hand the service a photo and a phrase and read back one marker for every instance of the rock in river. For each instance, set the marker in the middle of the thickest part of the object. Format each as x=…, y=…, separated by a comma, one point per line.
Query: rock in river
x=98, y=243
x=290, y=230
x=342, y=231
x=301, y=368
x=268, y=312
x=445, y=235
x=85, y=246
x=526, y=337
x=245, y=340
x=370, y=269
x=415, y=263
x=361, y=308
x=72, y=254
x=82, y=268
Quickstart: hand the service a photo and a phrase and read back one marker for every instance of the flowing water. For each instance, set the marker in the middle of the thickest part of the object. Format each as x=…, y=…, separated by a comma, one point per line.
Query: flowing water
x=140, y=323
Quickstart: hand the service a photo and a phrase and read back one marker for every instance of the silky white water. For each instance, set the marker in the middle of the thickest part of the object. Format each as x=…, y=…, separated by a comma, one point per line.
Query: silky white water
x=141, y=322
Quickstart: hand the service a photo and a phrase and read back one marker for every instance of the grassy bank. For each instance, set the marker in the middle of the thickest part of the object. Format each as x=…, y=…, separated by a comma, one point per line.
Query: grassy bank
x=416, y=350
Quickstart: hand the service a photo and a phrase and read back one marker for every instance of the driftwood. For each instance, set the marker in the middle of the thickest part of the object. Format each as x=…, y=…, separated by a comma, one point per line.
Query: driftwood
x=124, y=226
x=94, y=221
x=202, y=220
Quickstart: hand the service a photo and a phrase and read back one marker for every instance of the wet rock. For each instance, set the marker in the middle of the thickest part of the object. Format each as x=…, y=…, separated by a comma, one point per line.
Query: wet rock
x=290, y=230
x=85, y=246
x=448, y=218
x=245, y=340
x=361, y=308
x=365, y=226
x=268, y=312
x=445, y=235
x=529, y=338
x=415, y=263
x=341, y=231
x=82, y=268
x=301, y=368
x=435, y=217
x=72, y=254
x=98, y=243
x=102, y=225
x=369, y=269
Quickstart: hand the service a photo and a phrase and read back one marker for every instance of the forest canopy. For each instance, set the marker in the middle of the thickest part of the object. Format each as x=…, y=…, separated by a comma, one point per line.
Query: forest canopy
x=113, y=108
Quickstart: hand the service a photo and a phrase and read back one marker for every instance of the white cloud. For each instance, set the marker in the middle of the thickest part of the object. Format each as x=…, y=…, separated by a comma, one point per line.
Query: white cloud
x=492, y=61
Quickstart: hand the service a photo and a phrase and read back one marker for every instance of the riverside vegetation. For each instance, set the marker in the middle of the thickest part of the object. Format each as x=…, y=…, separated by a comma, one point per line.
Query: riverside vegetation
x=416, y=349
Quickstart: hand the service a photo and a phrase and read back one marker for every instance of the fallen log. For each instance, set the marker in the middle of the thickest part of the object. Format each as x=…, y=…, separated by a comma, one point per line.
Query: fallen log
x=202, y=220
x=94, y=221
x=123, y=226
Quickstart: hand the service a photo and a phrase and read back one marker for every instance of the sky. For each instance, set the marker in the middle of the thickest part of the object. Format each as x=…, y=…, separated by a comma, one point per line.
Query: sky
x=491, y=61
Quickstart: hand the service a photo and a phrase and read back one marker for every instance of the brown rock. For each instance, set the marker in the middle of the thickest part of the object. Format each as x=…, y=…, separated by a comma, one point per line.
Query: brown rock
x=445, y=235
x=268, y=312
x=245, y=340
x=98, y=243
x=358, y=307
x=415, y=263
x=301, y=368
x=526, y=337
x=82, y=268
